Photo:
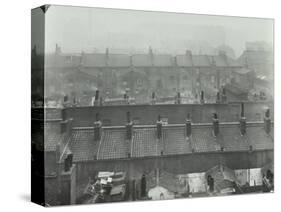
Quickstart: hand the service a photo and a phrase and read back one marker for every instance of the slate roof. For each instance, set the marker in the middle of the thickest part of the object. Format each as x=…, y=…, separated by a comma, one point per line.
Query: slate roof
x=201, y=60
x=163, y=60
x=53, y=136
x=218, y=60
x=118, y=60
x=145, y=143
x=83, y=145
x=175, y=141
x=93, y=60
x=62, y=60
x=184, y=60
x=113, y=144
x=140, y=60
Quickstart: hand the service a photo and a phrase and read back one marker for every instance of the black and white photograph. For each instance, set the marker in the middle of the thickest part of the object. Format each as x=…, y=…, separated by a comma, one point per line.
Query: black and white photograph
x=132, y=105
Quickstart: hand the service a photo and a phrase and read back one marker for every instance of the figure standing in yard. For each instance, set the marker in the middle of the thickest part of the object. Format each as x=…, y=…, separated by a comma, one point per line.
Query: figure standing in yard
x=143, y=186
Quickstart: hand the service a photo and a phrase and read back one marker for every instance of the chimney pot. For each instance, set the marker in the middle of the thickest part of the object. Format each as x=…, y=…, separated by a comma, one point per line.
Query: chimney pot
x=159, y=127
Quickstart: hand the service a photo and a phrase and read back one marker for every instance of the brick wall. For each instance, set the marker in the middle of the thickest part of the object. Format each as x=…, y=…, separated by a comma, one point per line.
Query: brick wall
x=179, y=164
x=147, y=114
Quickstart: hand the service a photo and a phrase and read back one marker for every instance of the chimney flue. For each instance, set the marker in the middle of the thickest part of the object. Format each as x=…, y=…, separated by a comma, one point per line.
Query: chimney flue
x=242, y=120
x=126, y=97
x=188, y=126
x=218, y=97
x=223, y=96
x=96, y=102
x=159, y=127
x=215, y=124
x=267, y=121
x=129, y=127
x=202, y=100
x=178, y=98
x=153, y=99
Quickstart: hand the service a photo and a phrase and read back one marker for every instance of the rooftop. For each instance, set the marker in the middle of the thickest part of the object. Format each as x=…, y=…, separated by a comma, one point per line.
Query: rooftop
x=138, y=60
x=113, y=144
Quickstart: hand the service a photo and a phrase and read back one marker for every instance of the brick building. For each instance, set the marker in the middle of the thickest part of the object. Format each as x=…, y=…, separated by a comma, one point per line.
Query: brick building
x=138, y=74
x=75, y=153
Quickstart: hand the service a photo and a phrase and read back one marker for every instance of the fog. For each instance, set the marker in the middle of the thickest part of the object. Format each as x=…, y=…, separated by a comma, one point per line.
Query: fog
x=94, y=29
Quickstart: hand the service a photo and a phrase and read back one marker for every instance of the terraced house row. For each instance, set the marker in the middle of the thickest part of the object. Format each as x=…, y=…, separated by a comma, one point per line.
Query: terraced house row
x=74, y=153
x=80, y=75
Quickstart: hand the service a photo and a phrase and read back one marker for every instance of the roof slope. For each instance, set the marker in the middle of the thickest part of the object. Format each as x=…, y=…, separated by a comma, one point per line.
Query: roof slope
x=83, y=145
x=114, y=145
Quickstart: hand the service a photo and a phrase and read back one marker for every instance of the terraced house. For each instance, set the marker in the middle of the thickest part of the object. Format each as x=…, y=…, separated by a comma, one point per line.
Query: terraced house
x=140, y=74
x=168, y=155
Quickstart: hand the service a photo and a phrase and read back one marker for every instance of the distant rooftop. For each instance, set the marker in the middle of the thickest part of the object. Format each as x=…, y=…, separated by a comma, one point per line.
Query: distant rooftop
x=108, y=59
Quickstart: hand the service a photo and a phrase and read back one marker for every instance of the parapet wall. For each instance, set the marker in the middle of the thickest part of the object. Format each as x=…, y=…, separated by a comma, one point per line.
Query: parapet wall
x=147, y=114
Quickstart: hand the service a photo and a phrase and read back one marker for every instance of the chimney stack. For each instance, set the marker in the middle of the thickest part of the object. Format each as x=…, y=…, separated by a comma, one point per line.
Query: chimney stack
x=153, y=99
x=178, y=98
x=202, y=101
x=57, y=50
x=97, y=128
x=267, y=121
x=66, y=126
x=188, y=126
x=129, y=127
x=63, y=126
x=159, y=127
x=126, y=97
x=96, y=102
x=242, y=120
x=215, y=125
x=223, y=96
x=65, y=99
x=218, y=100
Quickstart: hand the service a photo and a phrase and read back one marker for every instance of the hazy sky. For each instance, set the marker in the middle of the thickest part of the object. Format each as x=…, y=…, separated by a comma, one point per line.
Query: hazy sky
x=93, y=29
